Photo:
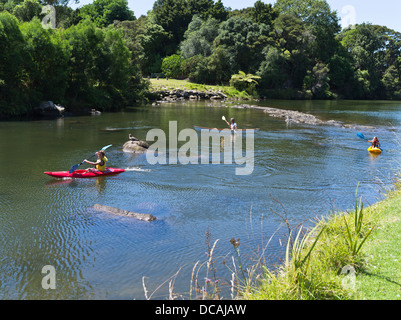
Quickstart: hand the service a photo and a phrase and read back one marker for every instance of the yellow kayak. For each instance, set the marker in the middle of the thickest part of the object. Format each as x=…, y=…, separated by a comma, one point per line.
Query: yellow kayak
x=374, y=150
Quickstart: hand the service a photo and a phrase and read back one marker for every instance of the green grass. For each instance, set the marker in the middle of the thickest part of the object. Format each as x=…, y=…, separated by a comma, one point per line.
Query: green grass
x=377, y=265
x=173, y=84
x=382, y=278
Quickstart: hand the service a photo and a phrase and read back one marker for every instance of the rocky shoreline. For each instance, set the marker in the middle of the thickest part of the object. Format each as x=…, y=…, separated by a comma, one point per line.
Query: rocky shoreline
x=174, y=95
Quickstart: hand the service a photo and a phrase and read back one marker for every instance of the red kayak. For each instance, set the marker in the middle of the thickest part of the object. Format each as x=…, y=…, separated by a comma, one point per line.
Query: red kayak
x=84, y=174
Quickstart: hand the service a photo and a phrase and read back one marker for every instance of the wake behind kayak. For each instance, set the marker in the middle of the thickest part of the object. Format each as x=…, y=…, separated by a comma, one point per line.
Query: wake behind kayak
x=84, y=174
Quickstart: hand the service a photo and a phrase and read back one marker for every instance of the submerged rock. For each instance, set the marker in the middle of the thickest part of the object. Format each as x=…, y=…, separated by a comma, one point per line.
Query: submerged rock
x=119, y=212
x=297, y=117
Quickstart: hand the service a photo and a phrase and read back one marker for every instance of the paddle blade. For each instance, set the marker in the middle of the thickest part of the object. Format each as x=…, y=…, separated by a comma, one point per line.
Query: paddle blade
x=104, y=148
x=73, y=168
x=360, y=135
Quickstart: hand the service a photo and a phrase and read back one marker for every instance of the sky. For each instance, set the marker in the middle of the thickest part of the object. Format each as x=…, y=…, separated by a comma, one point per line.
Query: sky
x=383, y=12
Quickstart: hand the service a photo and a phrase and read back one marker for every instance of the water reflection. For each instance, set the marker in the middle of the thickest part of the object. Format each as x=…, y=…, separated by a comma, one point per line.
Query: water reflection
x=101, y=184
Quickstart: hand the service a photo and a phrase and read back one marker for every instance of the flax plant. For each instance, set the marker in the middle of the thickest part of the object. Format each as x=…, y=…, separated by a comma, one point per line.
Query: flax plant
x=295, y=256
x=353, y=236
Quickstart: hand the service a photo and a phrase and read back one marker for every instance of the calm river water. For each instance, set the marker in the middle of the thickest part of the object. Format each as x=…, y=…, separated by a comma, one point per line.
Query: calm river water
x=302, y=171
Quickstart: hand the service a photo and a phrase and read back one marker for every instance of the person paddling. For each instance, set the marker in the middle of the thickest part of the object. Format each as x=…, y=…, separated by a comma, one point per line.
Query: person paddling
x=375, y=143
x=232, y=125
x=100, y=163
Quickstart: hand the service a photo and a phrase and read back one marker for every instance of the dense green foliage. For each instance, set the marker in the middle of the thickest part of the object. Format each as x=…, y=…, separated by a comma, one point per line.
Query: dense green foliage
x=99, y=54
x=82, y=66
x=104, y=12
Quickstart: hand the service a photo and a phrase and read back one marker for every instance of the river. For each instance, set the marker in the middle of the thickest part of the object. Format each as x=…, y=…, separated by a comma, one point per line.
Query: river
x=300, y=172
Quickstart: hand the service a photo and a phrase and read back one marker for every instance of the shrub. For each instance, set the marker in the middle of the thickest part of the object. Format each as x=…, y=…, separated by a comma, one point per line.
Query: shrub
x=172, y=66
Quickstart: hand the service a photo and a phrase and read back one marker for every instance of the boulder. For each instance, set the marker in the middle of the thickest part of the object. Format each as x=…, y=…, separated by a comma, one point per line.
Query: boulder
x=119, y=212
x=135, y=145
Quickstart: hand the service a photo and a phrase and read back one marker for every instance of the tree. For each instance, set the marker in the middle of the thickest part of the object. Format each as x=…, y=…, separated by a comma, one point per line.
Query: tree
x=273, y=69
x=244, y=41
x=172, y=66
x=47, y=67
x=317, y=81
x=263, y=13
x=199, y=37
x=174, y=16
x=200, y=7
x=12, y=70
x=219, y=12
x=341, y=72
x=132, y=31
x=392, y=82
x=215, y=69
x=362, y=88
x=373, y=50
x=156, y=43
x=318, y=17
x=104, y=12
x=189, y=66
x=27, y=10
x=218, y=66
x=101, y=72
x=295, y=42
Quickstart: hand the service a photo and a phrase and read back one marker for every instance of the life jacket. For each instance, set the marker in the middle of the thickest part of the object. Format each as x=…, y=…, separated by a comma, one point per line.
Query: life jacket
x=103, y=167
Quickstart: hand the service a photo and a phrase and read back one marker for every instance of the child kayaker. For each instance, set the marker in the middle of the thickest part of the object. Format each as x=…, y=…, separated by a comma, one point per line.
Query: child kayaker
x=375, y=142
x=100, y=163
x=233, y=125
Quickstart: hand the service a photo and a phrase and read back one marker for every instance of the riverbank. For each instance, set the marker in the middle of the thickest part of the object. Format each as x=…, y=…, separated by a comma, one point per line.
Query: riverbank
x=172, y=90
x=329, y=265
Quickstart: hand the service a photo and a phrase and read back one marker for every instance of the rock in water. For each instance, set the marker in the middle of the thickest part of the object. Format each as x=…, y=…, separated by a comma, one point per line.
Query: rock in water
x=135, y=145
x=49, y=109
x=119, y=212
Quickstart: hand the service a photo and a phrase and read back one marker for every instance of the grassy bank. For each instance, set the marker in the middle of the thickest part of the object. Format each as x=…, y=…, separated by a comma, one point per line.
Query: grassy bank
x=382, y=277
x=348, y=256
x=174, y=84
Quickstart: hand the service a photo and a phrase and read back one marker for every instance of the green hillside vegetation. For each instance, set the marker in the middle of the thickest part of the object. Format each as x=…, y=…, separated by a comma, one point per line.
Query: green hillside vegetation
x=101, y=54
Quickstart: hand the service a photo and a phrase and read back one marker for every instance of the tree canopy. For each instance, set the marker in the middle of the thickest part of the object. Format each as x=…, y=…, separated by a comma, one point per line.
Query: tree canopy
x=100, y=54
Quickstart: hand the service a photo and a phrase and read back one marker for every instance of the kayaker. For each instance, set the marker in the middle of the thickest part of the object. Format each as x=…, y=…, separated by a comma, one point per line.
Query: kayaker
x=100, y=163
x=375, y=143
x=233, y=125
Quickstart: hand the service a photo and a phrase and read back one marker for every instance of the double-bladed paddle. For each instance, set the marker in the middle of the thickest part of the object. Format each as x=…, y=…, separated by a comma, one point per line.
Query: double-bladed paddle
x=73, y=168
